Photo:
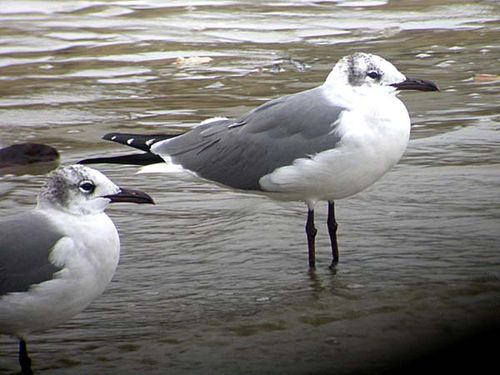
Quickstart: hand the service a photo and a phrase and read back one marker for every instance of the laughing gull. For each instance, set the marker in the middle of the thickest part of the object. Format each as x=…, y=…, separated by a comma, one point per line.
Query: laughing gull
x=326, y=143
x=58, y=257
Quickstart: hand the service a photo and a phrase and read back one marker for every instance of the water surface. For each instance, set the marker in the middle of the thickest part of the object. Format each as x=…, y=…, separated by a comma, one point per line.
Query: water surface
x=216, y=282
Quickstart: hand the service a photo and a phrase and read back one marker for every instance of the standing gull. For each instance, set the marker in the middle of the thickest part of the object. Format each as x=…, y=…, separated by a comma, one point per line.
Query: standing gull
x=326, y=143
x=60, y=256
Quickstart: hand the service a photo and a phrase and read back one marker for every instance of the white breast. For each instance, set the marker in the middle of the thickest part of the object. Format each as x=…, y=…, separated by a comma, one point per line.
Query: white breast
x=88, y=254
x=374, y=136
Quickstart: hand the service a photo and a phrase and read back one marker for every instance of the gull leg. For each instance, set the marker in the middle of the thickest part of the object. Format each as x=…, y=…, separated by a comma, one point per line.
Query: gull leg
x=311, y=236
x=24, y=359
x=332, y=230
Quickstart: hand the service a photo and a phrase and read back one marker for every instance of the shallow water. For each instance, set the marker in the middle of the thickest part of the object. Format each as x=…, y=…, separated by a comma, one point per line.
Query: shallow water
x=212, y=281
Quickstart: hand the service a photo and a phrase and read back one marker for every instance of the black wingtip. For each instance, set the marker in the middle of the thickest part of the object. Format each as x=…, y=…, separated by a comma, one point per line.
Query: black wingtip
x=111, y=136
x=146, y=158
x=140, y=141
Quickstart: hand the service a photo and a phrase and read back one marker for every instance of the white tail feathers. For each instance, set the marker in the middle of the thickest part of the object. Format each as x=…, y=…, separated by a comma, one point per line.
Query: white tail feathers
x=176, y=170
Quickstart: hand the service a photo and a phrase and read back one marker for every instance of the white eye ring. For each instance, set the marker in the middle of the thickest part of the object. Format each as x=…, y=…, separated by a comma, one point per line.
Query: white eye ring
x=87, y=187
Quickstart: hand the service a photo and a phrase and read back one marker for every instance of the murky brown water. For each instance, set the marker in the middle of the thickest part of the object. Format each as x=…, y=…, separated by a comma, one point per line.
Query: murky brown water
x=216, y=282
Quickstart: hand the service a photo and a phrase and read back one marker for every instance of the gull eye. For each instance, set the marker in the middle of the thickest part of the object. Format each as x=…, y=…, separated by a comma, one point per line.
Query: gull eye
x=87, y=187
x=373, y=75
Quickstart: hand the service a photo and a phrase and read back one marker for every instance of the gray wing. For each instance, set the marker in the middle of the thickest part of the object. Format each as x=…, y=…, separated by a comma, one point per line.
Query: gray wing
x=238, y=154
x=26, y=241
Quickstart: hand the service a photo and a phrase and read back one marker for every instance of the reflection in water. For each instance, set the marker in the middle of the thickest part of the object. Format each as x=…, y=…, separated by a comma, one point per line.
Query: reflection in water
x=212, y=281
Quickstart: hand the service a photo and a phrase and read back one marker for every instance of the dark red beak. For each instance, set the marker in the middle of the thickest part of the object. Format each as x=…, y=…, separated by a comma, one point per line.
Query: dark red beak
x=416, y=84
x=129, y=195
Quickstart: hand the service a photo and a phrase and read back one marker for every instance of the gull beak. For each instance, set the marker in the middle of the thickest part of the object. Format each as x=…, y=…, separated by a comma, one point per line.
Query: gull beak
x=416, y=84
x=129, y=195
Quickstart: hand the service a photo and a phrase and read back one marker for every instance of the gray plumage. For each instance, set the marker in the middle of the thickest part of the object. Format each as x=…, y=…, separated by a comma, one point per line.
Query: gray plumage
x=323, y=144
x=26, y=241
x=238, y=154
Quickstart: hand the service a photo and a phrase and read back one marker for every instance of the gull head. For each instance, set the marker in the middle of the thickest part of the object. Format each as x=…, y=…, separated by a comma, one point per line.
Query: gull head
x=81, y=190
x=365, y=70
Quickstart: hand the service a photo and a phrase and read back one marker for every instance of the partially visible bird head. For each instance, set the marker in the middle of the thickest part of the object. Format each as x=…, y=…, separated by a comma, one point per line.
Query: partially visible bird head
x=368, y=70
x=82, y=190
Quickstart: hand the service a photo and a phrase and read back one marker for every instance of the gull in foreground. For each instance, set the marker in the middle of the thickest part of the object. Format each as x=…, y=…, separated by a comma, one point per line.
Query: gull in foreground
x=60, y=256
x=326, y=143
